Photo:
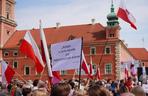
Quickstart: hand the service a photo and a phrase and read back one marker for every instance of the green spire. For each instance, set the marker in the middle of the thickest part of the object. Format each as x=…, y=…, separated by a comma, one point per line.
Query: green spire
x=112, y=7
x=112, y=17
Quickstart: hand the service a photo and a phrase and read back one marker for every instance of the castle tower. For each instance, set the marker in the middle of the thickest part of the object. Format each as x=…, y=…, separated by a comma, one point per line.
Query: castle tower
x=113, y=27
x=7, y=20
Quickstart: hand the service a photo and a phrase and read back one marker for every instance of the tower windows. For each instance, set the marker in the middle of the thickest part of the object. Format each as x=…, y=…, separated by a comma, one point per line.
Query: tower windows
x=8, y=10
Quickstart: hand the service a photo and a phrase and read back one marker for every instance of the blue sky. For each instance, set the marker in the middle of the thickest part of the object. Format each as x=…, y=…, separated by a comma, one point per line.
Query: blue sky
x=73, y=12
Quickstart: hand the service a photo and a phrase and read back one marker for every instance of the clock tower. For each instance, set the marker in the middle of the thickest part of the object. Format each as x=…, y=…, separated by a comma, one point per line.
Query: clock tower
x=7, y=20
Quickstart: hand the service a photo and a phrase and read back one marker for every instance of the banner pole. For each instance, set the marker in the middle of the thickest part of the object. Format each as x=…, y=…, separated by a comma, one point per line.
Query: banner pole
x=80, y=63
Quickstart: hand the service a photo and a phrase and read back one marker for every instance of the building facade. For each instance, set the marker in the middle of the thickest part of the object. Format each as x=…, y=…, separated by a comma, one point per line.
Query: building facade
x=101, y=43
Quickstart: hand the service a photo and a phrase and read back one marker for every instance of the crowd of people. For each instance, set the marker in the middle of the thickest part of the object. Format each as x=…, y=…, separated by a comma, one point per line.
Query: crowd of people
x=87, y=87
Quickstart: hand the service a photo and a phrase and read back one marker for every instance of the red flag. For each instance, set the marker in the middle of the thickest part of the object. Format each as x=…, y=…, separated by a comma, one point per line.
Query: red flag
x=125, y=15
x=84, y=64
x=30, y=48
x=7, y=72
x=98, y=74
x=126, y=72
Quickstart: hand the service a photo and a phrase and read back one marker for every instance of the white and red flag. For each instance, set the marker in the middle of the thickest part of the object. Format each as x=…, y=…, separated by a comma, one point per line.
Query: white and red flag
x=45, y=53
x=30, y=48
x=84, y=64
x=7, y=72
x=125, y=15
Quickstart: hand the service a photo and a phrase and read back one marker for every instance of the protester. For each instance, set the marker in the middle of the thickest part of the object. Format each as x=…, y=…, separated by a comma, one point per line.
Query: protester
x=138, y=91
x=61, y=89
x=71, y=88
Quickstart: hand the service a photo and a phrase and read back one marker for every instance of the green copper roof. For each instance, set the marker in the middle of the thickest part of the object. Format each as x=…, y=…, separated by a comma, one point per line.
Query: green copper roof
x=112, y=17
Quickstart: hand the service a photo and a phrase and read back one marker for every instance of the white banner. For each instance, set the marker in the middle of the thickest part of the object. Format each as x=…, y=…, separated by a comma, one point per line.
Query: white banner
x=66, y=55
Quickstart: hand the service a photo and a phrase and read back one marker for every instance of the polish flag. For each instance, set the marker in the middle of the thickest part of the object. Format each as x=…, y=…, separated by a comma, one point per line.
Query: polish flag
x=126, y=72
x=125, y=15
x=84, y=64
x=45, y=53
x=98, y=74
x=30, y=48
x=7, y=73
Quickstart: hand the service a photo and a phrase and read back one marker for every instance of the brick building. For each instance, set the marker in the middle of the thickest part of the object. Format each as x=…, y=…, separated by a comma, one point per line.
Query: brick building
x=102, y=43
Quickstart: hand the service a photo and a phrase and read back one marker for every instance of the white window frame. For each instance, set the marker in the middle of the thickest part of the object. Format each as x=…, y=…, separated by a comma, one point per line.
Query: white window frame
x=106, y=48
x=94, y=69
x=106, y=69
x=5, y=53
x=13, y=64
x=25, y=70
x=14, y=53
x=63, y=71
x=91, y=48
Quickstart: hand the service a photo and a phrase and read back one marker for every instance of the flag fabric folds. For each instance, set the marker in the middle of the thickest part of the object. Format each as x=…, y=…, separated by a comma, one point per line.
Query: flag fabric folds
x=126, y=72
x=125, y=15
x=7, y=73
x=84, y=64
x=45, y=53
x=30, y=48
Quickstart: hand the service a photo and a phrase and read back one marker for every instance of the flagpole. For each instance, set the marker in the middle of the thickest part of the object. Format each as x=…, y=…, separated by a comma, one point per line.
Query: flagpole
x=80, y=63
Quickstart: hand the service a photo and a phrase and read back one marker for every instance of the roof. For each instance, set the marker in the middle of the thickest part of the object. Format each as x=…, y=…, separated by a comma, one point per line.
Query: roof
x=89, y=32
x=139, y=53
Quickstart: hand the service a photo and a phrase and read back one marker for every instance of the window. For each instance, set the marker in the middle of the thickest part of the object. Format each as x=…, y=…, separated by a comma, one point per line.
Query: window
x=92, y=50
x=107, y=50
x=15, y=53
x=94, y=68
x=82, y=72
x=111, y=35
x=26, y=70
x=8, y=10
x=108, y=69
x=6, y=53
x=15, y=64
x=63, y=72
x=8, y=32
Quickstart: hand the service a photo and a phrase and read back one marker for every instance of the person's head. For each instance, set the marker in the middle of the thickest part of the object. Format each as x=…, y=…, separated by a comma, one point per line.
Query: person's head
x=127, y=94
x=35, y=82
x=138, y=91
x=60, y=89
x=26, y=89
x=96, y=90
x=39, y=93
x=41, y=84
